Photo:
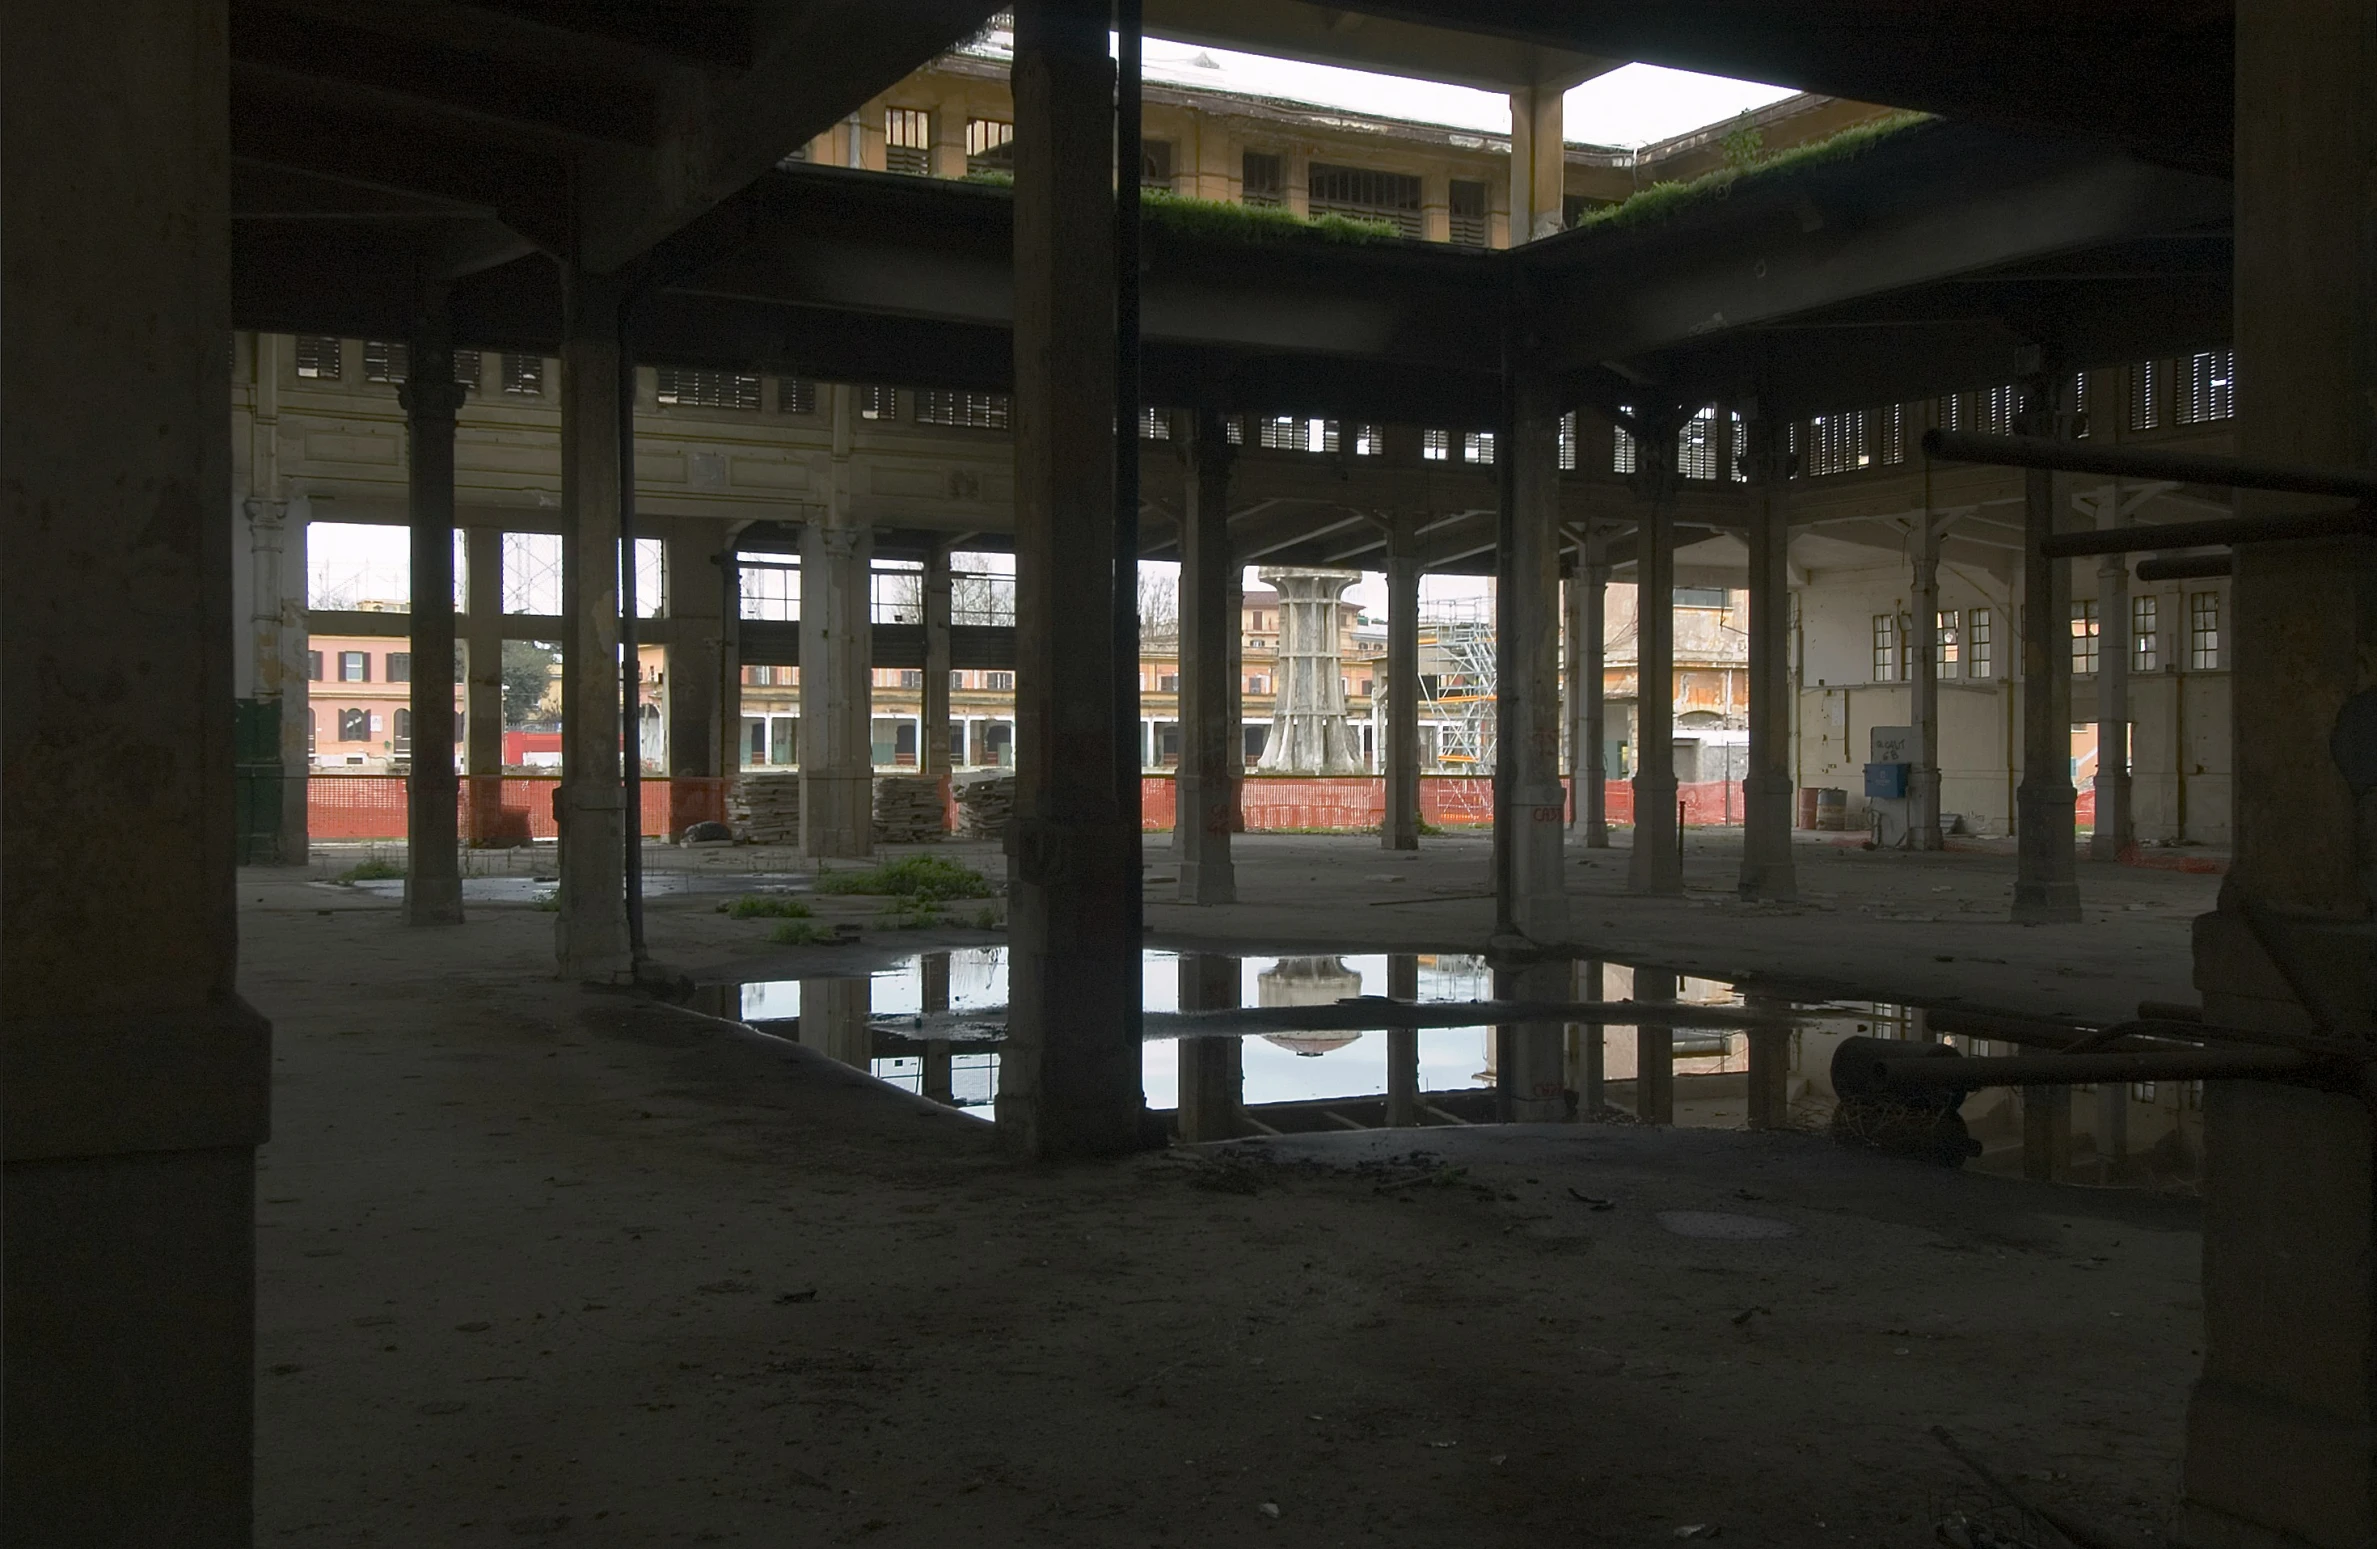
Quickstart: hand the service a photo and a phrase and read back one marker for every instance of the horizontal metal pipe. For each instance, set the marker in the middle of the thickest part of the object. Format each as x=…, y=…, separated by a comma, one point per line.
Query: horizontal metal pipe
x=2082, y=1069
x=2187, y=567
x=2225, y=530
x=2132, y=462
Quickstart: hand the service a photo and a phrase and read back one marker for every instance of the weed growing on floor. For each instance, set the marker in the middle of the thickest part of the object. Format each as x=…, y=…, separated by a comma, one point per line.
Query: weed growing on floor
x=765, y=906
x=909, y=914
x=549, y=901
x=986, y=919
x=925, y=878
x=801, y=933
x=373, y=869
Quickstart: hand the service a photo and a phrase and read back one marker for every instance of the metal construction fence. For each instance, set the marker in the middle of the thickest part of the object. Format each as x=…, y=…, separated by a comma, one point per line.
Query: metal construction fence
x=496, y=810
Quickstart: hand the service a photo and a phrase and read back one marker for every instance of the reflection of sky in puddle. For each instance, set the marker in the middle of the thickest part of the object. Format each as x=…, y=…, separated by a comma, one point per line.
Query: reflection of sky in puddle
x=1450, y=1058
x=2163, y=1126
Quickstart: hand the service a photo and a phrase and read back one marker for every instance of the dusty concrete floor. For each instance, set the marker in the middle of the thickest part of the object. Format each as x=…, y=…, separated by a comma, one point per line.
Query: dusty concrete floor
x=537, y=1263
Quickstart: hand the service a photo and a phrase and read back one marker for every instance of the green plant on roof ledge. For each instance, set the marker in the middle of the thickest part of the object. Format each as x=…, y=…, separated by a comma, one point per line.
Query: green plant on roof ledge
x=1661, y=200
x=1227, y=221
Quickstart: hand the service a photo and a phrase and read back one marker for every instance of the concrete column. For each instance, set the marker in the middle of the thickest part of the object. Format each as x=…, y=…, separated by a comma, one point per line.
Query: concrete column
x=1210, y=747
x=2046, y=888
x=1069, y=1074
x=482, y=719
x=1588, y=696
x=1587, y=1051
x=932, y=747
x=136, y=1080
x=1212, y=1070
x=431, y=398
x=1529, y=802
x=2112, y=1130
x=2114, y=829
x=277, y=598
x=1654, y=1052
x=591, y=929
x=2279, y=1427
x=1923, y=655
x=1536, y=161
x=1403, y=1044
x=697, y=643
x=1770, y=1068
x=2046, y=1132
x=1767, y=871
x=838, y=663
x=1653, y=868
x=1401, y=830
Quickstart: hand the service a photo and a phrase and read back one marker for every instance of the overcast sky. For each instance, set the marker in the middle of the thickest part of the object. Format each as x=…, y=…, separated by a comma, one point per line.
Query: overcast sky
x=1630, y=106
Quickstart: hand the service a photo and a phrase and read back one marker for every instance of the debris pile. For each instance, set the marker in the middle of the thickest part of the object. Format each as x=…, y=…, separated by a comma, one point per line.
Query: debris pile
x=908, y=809
x=765, y=807
x=984, y=803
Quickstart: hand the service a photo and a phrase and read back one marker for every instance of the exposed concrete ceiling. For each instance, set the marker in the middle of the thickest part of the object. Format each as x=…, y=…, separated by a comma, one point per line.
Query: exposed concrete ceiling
x=1353, y=38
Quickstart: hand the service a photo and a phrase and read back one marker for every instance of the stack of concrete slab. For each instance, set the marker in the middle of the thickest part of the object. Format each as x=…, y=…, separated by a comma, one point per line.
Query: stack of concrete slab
x=765, y=807
x=908, y=809
x=984, y=803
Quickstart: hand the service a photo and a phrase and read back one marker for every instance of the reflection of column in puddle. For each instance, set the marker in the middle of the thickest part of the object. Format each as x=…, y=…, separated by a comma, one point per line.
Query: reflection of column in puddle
x=938, y=1074
x=1212, y=1070
x=1770, y=1067
x=1585, y=1063
x=1403, y=1044
x=834, y=1019
x=1654, y=1052
x=724, y=1001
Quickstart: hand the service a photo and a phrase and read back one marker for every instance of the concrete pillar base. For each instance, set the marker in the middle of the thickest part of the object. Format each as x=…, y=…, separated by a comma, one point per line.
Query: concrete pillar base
x=1767, y=872
x=1654, y=869
x=837, y=814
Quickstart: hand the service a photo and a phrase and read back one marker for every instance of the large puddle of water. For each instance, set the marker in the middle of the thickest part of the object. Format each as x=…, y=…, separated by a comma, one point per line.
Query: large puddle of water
x=2148, y=1133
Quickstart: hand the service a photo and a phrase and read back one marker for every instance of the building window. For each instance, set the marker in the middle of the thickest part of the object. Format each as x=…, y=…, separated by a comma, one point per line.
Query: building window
x=318, y=357
x=1392, y=197
x=990, y=145
x=1155, y=165
x=2211, y=390
x=400, y=666
x=388, y=361
x=404, y=731
x=2084, y=632
x=524, y=375
x=1886, y=434
x=1262, y=179
x=908, y=141
x=1696, y=446
x=1621, y=455
x=911, y=677
x=971, y=411
x=354, y=726
x=1470, y=227
x=1836, y=443
x=1154, y=423
x=1886, y=648
x=1436, y=446
x=1980, y=660
x=1369, y=441
x=2203, y=631
x=1947, y=632
x=1258, y=683
x=1477, y=446
x=1286, y=433
x=1702, y=597
x=878, y=403
x=2141, y=1091
x=313, y=666
x=2144, y=406
x=2145, y=642
x=690, y=387
x=1568, y=442
x=354, y=666
x=998, y=681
